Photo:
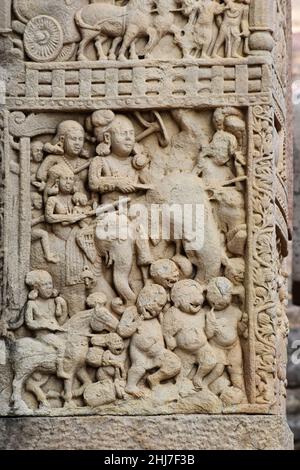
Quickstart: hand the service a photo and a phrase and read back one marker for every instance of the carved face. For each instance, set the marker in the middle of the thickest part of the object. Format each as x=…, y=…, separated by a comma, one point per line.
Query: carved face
x=235, y=272
x=122, y=137
x=37, y=201
x=165, y=273
x=37, y=151
x=45, y=288
x=66, y=184
x=151, y=301
x=219, y=293
x=153, y=309
x=73, y=143
x=187, y=295
x=116, y=344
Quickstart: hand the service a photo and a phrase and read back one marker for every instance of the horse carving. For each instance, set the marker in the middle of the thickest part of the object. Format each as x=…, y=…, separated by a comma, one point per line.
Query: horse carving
x=100, y=22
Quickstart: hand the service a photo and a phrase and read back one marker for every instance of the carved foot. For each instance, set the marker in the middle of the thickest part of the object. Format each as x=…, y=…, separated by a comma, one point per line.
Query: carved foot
x=135, y=392
x=52, y=259
x=153, y=382
x=122, y=58
x=82, y=58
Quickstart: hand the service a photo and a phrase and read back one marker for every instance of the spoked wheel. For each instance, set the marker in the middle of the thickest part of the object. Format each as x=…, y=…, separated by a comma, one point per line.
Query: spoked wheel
x=43, y=39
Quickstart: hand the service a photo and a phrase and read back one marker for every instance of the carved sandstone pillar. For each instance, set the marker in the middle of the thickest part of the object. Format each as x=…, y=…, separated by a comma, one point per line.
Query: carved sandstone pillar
x=262, y=23
x=144, y=224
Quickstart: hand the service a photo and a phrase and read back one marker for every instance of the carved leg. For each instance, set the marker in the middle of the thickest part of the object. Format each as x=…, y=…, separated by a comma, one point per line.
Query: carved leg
x=16, y=397
x=68, y=395
x=206, y=363
x=235, y=369
x=154, y=39
x=219, y=43
x=88, y=36
x=43, y=236
x=185, y=386
x=112, y=53
x=235, y=48
x=130, y=36
x=123, y=258
x=214, y=375
x=170, y=368
x=98, y=44
x=85, y=379
x=135, y=374
x=34, y=387
x=132, y=51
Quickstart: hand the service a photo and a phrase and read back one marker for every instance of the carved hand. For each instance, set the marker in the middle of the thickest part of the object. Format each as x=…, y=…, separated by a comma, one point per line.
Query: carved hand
x=125, y=185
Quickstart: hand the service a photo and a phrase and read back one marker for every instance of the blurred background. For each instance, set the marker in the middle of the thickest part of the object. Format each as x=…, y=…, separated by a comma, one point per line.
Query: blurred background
x=293, y=396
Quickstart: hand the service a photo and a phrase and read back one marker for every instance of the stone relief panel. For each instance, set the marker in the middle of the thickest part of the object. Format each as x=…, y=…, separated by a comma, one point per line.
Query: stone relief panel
x=133, y=29
x=121, y=294
x=145, y=207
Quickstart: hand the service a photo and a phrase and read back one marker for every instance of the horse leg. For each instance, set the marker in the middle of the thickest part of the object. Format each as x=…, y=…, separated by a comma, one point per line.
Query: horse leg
x=132, y=54
x=68, y=391
x=154, y=39
x=34, y=387
x=98, y=44
x=130, y=35
x=16, y=398
x=87, y=37
x=85, y=379
x=112, y=53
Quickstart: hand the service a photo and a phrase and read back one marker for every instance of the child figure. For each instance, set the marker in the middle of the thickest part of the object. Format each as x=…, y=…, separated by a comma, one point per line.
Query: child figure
x=45, y=313
x=185, y=332
x=82, y=206
x=37, y=156
x=225, y=323
x=165, y=273
x=38, y=232
x=147, y=350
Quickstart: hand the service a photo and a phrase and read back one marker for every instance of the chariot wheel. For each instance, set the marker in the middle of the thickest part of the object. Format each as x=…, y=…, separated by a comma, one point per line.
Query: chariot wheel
x=67, y=52
x=43, y=39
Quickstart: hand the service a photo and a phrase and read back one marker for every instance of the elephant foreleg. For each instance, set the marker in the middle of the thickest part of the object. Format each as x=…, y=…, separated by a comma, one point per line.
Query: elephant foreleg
x=121, y=275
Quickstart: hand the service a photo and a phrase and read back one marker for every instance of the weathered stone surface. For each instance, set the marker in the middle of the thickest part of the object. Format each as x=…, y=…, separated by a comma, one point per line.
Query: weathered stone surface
x=133, y=433
x=119, y=112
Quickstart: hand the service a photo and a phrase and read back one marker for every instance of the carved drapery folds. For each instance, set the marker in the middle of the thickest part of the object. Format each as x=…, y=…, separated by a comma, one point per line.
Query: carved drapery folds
x=145, y=208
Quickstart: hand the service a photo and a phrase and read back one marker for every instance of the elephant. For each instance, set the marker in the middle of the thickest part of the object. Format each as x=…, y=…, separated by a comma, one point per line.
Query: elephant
x=204, y=247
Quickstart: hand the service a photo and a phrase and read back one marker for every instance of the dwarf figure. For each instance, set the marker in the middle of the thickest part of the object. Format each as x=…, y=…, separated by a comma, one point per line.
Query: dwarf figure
x=147, y=350
x=225, y=323
x=45, y=313
x=108, y=355
x=184, y=328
